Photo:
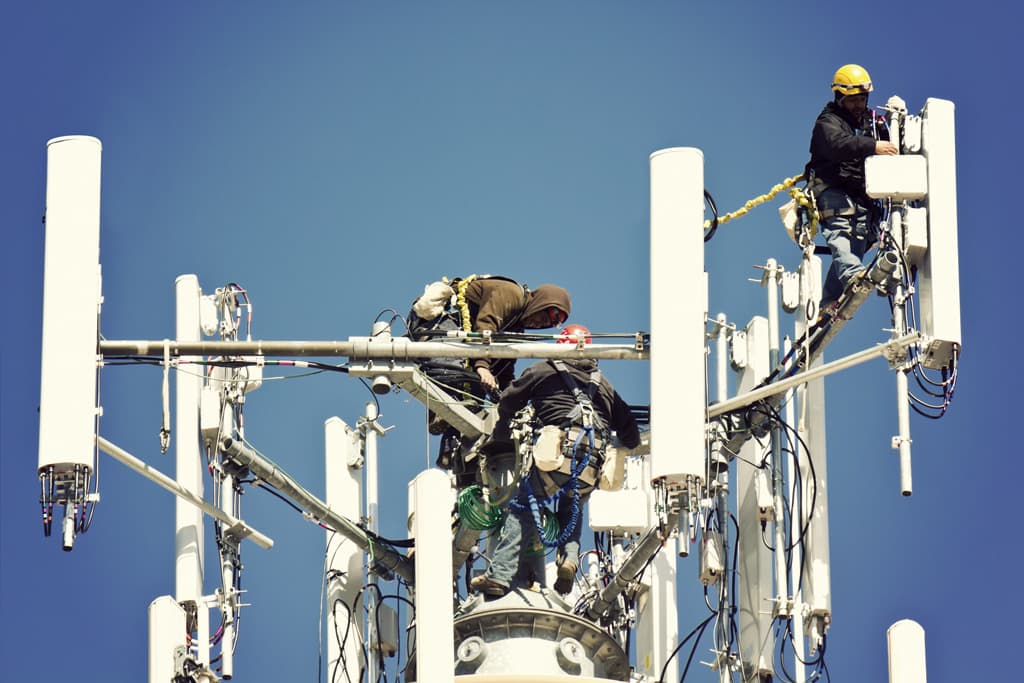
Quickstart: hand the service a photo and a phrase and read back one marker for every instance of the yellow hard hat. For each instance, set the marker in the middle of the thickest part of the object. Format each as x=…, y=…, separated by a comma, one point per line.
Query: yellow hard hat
x=852, y=79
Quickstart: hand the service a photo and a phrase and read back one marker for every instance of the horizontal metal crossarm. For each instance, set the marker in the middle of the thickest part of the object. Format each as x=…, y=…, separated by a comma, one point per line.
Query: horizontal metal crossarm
x=367, y=348
x=420, y=387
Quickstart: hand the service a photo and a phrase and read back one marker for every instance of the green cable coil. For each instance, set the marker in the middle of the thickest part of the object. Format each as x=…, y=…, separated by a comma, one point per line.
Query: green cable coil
x=475, y=512
x=550, y=532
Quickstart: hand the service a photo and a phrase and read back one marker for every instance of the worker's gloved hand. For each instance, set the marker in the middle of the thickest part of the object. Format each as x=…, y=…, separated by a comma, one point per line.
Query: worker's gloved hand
x=487, y=379
x=886, y=148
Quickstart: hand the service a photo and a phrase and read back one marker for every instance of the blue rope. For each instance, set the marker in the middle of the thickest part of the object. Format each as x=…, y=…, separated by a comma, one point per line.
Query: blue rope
x=573, y=484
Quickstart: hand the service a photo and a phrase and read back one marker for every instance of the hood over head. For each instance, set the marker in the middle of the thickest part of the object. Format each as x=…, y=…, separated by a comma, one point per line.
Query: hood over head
x=546, y=296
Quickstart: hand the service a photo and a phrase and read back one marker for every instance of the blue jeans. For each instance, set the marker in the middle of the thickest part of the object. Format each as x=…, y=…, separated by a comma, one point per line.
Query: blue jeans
x=518, y=555
x=509, y=563
x=848, y=237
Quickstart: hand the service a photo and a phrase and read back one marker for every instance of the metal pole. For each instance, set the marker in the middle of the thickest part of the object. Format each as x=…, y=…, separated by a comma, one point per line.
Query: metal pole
x=722, y=635
x=901, y=441
x=795, y=520
x=771, y=281
x=386, y=557
x=751, y=397
x=188, y=520
x=227, y=568
x=369, y=434
x=383, y=348
x=238, y=528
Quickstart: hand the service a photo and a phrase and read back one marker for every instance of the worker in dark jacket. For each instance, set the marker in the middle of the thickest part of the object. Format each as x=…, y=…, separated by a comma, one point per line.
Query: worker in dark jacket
x=845, y=134
x=560, y=392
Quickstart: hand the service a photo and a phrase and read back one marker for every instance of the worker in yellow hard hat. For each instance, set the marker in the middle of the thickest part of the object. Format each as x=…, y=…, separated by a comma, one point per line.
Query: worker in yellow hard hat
x=845, y=133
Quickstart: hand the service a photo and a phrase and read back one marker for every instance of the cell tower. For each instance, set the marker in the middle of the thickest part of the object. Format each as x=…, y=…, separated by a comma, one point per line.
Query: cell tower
x=736, y=487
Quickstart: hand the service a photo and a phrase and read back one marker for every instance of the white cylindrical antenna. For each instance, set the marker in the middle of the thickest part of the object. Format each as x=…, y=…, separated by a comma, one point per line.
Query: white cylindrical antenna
x=188, y=519
x=432, y=526
x=678, y=311
x=906, y=652
x=71, y=298
x=344, y=558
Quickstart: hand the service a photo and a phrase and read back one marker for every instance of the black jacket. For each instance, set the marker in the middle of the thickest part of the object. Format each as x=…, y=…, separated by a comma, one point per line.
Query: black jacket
x=542, y=385
x=839, y=145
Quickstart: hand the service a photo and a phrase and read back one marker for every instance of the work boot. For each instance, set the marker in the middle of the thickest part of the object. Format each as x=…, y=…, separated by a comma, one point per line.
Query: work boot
x=565, y=576
x=488, y=586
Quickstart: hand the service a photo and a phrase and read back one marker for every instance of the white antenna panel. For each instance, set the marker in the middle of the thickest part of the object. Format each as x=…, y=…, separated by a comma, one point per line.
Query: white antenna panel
x=678, y=310
x=939, y=277
x=71, y=298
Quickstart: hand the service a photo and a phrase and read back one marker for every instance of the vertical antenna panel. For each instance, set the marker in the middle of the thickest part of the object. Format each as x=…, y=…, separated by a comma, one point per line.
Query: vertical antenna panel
x=817, y=579
x=939, y=277
x=906, y=652
x=678, y=310
x=345, y=560
x=657, y=619
x=71, y=296
x=432, y=526
x=754, y=561
x=166, y=632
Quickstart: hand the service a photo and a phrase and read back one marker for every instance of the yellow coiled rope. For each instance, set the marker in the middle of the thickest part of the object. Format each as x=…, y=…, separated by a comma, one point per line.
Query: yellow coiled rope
x=460, y=299
x=757, y=201
x=803, y=200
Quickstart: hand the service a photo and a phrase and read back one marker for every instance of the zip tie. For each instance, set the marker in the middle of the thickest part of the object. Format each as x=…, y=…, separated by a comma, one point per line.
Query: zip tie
x=165, y=426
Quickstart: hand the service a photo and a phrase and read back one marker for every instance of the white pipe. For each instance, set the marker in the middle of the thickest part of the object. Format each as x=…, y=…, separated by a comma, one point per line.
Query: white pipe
x=435, y=632
x=369, y=348
x=725, y=594
x=902, y=440
x=751, y=397
x=238, y=527
x=372, y=489
x=795, y=515
x=678, y=311
x=781, y=577
x=188, y=519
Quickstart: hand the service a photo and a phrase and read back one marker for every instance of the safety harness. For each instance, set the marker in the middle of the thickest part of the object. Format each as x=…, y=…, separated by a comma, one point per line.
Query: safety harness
x=582, y=459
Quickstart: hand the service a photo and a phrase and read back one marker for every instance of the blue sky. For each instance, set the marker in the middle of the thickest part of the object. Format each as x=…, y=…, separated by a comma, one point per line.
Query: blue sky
x=332, y=157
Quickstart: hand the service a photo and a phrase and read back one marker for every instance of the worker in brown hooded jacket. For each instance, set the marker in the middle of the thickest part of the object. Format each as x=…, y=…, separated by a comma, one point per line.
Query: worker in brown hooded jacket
x=497, y=305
